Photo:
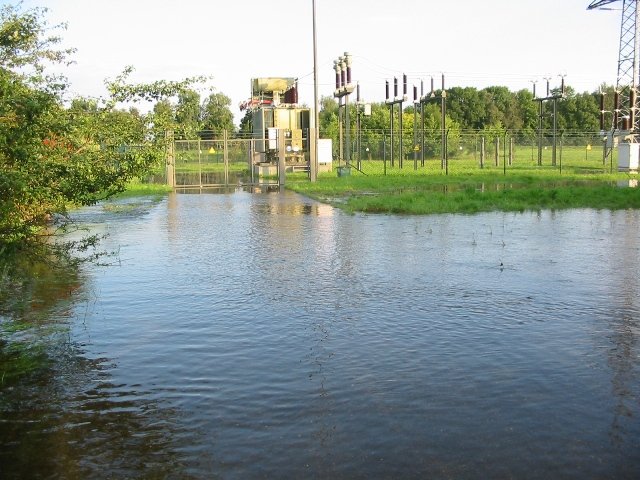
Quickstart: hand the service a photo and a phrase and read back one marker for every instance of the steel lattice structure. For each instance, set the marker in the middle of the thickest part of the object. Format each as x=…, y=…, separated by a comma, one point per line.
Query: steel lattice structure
x=628, y=77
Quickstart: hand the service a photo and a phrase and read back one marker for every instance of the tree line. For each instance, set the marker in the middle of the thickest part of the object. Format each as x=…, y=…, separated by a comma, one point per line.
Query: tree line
x=493, y=108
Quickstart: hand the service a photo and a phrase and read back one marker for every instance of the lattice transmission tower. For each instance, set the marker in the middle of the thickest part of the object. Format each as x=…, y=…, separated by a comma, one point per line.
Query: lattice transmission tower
x=626, y=114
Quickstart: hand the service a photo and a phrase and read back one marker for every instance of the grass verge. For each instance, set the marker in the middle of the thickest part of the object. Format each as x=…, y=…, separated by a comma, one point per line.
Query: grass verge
x=139, y=189
x=472, y=192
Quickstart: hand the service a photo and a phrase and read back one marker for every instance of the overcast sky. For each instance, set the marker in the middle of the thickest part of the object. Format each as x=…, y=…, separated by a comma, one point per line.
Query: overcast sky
x=473, y=42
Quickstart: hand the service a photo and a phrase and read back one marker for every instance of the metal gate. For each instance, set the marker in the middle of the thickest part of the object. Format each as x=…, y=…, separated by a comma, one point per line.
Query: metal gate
x=198, y=164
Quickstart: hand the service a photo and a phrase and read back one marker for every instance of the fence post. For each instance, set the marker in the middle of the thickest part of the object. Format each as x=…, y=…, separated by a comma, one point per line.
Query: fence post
x=482, y=150
x=561, y=143
x=475, y=148
x=252, y=149
x=199, y=162
x=313, y=154
x=497, y=152
x=170, y=169
x=384, y=153
x=446, y=153
x=511, y=151
x=282, y=173
x=504, y=153
x=225, y=143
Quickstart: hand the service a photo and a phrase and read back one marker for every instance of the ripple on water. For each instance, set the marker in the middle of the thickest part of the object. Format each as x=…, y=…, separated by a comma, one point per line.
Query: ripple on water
x=268, y=336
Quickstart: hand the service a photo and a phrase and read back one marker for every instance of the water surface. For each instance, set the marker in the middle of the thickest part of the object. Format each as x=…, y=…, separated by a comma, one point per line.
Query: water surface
x=267, y=335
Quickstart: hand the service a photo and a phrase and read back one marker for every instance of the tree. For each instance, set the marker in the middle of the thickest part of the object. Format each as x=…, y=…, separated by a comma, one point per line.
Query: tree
x=578, y=111
x=216, y=114
x=466, y=107
x=164, y=117
x=246, y=125
x=188, y=114
x=52, y=157
x=527, y=110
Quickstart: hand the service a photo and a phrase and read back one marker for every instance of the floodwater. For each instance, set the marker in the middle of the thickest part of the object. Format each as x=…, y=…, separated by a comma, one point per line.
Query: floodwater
x=266, y=335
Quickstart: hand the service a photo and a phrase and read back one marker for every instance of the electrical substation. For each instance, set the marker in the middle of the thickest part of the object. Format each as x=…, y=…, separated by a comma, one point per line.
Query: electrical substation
x=283, y=133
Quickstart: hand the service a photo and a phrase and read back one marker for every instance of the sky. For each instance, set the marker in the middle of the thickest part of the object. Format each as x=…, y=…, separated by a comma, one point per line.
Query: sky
x=475, y=43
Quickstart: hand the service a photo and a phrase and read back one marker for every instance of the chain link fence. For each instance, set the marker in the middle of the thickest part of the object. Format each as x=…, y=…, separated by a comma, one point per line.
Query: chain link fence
x=219, y=162
x=380, y=153
x=207, y=163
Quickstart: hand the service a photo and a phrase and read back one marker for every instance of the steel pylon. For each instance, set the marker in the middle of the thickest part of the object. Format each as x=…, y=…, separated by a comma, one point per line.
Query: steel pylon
x=626, y=116
x=628, y=75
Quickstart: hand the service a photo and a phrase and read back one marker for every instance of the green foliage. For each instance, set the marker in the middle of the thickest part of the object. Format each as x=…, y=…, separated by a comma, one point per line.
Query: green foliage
x=53, y=157
x=491, y=111
x=246, y=126
x=121, y=90
x=188, y=113
x=216, y=115
x=25, y=40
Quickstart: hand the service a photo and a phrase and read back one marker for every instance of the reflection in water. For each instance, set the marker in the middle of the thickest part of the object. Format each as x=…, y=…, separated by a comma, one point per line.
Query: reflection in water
x=266, y=335
x=66, y=418
x=624, y=327
x=72, y=422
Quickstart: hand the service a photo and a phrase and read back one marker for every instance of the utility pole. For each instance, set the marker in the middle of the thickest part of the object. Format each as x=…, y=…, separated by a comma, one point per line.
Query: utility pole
x=313, y=155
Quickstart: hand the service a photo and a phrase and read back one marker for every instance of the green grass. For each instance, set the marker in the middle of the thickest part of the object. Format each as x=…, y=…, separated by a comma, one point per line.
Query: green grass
x=471, y=191
x=139, y=189
x=208, y=167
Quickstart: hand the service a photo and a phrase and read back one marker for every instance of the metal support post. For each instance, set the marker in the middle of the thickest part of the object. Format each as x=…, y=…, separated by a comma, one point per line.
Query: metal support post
x=401, y=147
x=347, y=130
x=226, y=157
x=340, y=139
x=282, y=172
x=554, y=149
x=415, y=136
x=313, y=155
x=391, y=135
x=171, y=159
x=443, y=107
x=422, y=131
x=540, y=115
x=343, y=88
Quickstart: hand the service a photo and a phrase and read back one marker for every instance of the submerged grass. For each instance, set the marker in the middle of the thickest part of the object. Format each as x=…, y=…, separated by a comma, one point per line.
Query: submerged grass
x=30, y=289
x=472, y=192
x=139, y=189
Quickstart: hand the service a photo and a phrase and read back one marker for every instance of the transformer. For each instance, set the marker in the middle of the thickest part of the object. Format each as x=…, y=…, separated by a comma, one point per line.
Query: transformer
x=274, y=107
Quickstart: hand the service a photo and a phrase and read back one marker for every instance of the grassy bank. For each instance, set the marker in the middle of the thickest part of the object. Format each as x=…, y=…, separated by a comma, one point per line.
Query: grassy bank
x=472, y=192
x=139, y=189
